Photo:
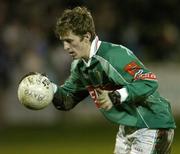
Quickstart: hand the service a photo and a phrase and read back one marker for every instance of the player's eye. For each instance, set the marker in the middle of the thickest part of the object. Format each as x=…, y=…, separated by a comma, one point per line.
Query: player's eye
x=68, y=41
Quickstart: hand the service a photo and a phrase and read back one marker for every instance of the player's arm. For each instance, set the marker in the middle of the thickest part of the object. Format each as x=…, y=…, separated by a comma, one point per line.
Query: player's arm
x=70, y=93
x=142, y=82
x=137, y=91
x=138, y=82
x=67, y=96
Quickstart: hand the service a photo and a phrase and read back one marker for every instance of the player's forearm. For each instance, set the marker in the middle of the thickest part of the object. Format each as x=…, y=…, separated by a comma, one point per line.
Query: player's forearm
x=62, y=100
x=140, y=90
x=136, y=92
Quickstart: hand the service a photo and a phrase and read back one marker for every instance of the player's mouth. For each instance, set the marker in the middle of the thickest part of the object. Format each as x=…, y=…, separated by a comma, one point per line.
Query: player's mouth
x=73, y=54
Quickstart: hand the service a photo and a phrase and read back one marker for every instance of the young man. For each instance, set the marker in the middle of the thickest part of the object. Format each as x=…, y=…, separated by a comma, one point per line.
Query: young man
x=122, y=88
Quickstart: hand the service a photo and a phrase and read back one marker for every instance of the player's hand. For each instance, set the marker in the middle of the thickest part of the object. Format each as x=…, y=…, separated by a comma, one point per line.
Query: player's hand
x=43, y=74
x=27, y=74
x=103, y=99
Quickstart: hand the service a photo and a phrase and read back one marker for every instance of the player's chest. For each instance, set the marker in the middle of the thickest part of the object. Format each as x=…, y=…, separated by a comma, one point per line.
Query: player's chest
x=95, y=76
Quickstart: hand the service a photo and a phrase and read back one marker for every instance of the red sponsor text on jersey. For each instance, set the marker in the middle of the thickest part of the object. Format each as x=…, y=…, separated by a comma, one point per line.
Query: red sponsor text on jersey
x=93, y=94
x=132, y=68
x=146, y=76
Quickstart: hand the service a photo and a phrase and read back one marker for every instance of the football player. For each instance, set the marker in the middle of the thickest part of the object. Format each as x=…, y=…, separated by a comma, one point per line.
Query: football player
x=122, y=88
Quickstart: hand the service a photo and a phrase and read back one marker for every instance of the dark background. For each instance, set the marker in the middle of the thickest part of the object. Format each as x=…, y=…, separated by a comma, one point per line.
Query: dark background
x=28, y=43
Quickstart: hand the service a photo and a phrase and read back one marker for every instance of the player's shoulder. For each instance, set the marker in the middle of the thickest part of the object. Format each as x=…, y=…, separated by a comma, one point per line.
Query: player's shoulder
x=107, y=50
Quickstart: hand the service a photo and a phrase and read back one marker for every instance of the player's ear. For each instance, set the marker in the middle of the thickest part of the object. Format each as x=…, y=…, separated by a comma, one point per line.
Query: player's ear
x=87, y=37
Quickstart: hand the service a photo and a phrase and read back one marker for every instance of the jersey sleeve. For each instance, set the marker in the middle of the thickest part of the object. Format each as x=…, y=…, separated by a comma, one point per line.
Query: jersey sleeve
x=143, y=82
x=70, y=93
x=138, y=81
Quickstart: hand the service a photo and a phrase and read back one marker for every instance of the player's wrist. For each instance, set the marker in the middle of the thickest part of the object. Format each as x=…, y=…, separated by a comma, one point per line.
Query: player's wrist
x=115, y=98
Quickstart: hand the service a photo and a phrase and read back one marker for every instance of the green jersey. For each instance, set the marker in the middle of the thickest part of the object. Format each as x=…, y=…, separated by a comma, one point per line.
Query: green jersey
x=114, y=67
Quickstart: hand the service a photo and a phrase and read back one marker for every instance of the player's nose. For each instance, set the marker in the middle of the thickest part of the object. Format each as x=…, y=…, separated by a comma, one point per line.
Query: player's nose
x=66, y=46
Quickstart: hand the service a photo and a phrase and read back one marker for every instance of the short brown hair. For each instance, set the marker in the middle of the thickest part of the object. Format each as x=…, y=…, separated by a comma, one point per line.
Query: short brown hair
x=78, y=20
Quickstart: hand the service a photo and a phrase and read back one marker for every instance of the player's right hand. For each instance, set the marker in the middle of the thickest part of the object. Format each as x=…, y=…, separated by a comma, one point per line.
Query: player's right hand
x=43, y=74
x=27, y=74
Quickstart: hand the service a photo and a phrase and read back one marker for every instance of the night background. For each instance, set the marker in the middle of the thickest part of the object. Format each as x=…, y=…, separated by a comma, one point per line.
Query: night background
x=151, y=29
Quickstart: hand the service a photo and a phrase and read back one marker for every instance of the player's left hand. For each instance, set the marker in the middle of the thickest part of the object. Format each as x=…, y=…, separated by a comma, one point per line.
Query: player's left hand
x=103, y=99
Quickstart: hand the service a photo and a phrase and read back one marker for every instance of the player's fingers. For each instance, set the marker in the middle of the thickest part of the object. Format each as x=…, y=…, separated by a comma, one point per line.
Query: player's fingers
x=101, y=101
x=99, y=91
x=102, y=98
x=106, y=106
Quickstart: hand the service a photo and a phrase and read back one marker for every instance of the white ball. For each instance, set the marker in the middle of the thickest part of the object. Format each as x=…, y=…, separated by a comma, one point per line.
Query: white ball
x=35, y=92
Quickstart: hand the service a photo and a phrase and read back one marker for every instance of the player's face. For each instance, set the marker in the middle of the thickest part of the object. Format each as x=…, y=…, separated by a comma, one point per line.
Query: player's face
x=77, y=46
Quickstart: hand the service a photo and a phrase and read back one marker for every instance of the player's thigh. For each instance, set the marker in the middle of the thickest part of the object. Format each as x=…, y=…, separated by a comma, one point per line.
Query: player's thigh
x=150, y=141
x=122, y=145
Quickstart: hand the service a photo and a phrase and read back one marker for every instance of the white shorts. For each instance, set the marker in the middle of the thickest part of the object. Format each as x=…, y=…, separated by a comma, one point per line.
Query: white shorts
x=131, y=140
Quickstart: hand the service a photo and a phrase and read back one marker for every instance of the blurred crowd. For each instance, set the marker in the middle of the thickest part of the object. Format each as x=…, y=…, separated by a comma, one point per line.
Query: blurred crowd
x=28, y=43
